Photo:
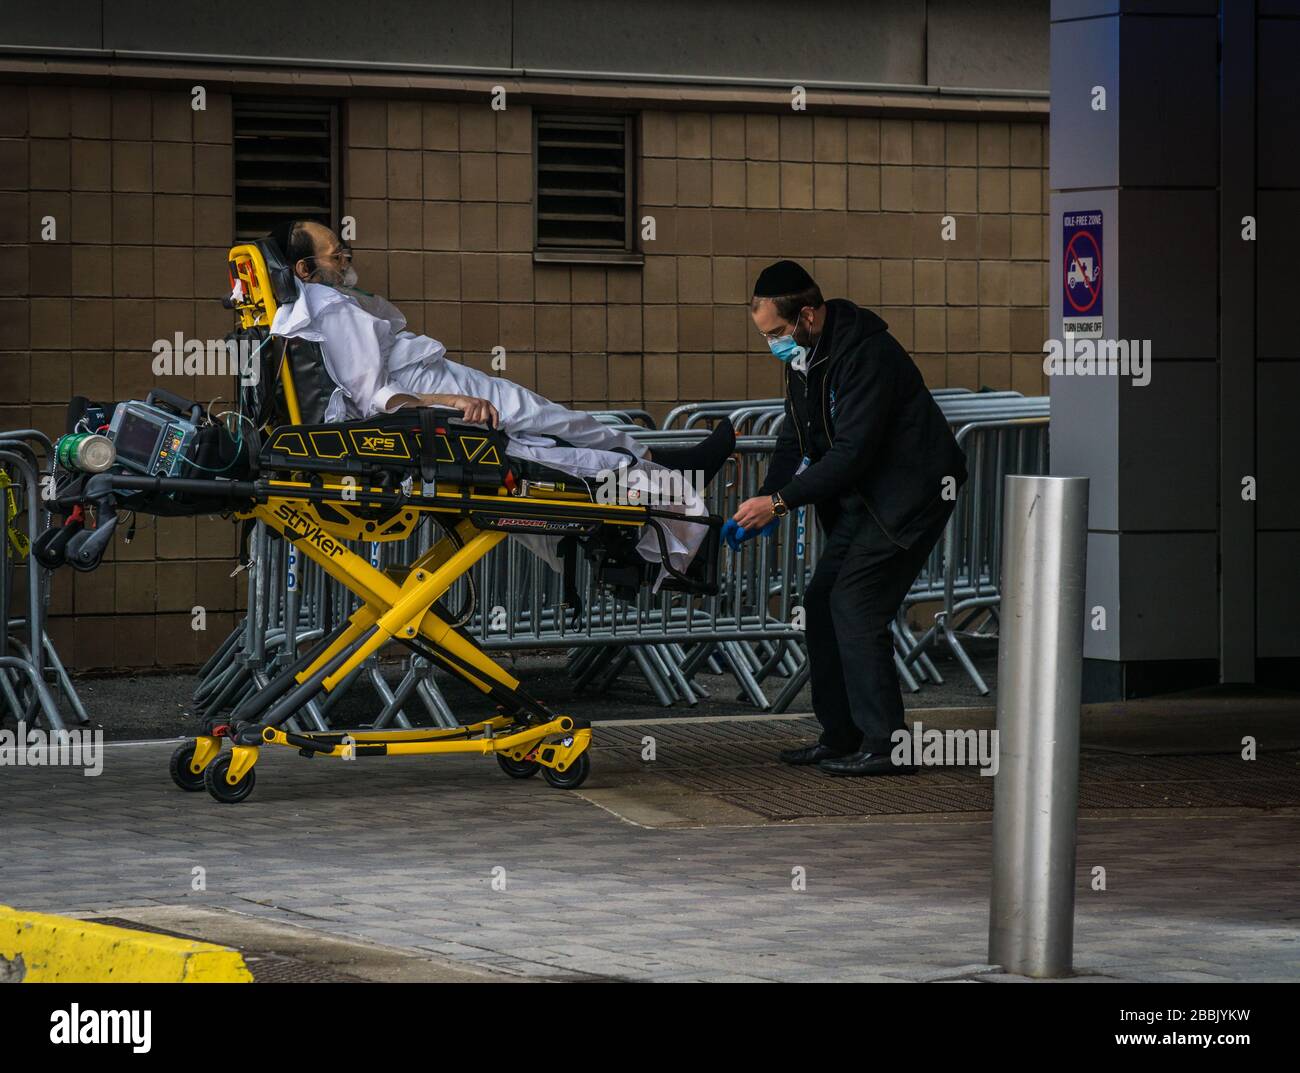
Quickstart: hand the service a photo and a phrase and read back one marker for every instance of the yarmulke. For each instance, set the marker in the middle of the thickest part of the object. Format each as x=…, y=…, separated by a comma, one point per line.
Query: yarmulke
x=782, y=278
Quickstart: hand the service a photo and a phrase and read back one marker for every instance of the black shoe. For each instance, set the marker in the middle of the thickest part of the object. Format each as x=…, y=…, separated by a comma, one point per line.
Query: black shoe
x=812, y=754
x=865, y=764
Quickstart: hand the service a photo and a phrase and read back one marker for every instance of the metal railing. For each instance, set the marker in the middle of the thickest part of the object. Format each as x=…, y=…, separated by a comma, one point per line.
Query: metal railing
x=32, y=677
x=967, y=574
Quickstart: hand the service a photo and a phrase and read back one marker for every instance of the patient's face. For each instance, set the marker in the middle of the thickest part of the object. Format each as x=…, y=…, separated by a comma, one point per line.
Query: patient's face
x=332, y=261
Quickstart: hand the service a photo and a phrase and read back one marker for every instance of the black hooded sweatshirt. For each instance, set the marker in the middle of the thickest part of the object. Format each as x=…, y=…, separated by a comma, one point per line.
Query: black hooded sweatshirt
x=864, y=418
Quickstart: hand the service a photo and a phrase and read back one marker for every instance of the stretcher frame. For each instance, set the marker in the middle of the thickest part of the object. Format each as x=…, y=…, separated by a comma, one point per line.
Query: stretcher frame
x=525, y=736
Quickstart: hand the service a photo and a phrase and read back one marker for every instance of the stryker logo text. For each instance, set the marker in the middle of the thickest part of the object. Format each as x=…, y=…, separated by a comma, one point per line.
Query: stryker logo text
x=309, y=530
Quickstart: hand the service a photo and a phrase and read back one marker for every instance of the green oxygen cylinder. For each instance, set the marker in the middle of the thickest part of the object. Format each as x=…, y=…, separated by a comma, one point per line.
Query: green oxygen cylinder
x=88, y=452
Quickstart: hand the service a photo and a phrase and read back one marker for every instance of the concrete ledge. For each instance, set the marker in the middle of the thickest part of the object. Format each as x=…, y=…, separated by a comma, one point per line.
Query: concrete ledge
x=543, y=88
x=39, y=948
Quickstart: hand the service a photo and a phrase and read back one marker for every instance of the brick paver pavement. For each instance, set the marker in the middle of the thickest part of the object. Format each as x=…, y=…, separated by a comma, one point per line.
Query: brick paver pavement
x=403, y=852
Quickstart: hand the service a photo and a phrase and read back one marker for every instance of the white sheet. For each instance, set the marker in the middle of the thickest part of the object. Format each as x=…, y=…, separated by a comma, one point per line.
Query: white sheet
x=371, y=357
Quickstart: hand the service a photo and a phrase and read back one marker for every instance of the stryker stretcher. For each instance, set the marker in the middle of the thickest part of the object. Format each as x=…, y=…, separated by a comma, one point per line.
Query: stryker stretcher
x=321, y=486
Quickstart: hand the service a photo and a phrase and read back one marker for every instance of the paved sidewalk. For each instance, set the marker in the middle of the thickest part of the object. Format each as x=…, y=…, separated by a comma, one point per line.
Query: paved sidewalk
x=403, y=853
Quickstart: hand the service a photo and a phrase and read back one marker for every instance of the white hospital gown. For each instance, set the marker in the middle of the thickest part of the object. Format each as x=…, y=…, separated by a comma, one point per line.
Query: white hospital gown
x=372, y=358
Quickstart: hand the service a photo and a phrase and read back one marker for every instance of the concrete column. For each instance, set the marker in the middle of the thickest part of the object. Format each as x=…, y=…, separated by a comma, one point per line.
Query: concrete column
x=1178, y=560
x=1277, y=370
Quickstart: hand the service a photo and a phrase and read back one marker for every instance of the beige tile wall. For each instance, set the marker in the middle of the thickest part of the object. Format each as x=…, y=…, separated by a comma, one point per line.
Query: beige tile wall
x=441, y=194
x=140, y=187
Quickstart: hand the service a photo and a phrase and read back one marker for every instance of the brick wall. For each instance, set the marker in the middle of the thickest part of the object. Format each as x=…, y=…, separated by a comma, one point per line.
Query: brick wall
x=140, y=190
x=441, y=194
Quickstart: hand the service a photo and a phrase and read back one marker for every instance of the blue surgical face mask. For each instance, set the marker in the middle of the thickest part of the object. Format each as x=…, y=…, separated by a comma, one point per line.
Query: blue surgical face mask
x=787, y=348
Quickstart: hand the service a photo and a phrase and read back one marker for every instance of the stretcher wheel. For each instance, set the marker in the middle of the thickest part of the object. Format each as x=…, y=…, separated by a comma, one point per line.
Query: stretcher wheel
x=214, y=778
x=179, y=768
x=572, y=777
x=518, y=769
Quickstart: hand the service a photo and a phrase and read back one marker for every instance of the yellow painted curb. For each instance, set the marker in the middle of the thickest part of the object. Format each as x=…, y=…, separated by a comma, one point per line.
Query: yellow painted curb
x=39, y=948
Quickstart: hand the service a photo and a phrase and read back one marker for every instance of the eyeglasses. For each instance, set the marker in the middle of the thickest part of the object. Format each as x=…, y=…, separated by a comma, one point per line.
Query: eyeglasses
x=343, y=253
x=777, y=333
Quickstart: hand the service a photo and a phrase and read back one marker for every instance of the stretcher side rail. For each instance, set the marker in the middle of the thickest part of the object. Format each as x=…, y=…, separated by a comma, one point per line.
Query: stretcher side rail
x=503, y=513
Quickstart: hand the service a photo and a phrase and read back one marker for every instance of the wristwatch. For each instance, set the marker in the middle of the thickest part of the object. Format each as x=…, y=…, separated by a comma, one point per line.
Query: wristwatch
x=778, y=505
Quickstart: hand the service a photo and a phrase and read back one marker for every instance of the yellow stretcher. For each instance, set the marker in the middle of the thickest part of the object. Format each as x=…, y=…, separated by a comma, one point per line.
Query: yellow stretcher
x=322, y=486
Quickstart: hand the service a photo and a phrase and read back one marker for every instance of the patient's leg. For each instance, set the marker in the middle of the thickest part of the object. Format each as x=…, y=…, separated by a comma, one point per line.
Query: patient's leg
x=525, y=415
x=707, y=457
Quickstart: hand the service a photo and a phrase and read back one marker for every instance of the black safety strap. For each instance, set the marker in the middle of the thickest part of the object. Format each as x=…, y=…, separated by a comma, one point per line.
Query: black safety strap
x=568, y=548
x=267, y=402
x=245, y=536
x=428, y=464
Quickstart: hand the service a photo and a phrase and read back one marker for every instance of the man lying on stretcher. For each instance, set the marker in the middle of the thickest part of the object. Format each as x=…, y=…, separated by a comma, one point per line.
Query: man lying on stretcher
x=380, y=367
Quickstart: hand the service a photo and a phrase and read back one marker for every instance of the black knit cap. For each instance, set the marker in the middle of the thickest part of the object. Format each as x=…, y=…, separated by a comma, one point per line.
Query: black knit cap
x=782, y=278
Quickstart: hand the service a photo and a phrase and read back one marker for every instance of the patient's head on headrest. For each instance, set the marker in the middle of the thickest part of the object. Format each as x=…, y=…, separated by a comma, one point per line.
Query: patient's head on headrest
x=293, y=240
x=315, y=253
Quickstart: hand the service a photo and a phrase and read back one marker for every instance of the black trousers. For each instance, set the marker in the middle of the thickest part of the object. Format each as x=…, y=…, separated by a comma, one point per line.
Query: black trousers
x=856, y=590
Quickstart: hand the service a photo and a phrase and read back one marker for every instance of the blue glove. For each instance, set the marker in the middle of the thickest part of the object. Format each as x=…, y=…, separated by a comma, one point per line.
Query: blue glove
x=735, y=535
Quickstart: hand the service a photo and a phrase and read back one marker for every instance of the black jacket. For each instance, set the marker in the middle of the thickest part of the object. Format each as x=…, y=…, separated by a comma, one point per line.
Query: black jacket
x=869, y=426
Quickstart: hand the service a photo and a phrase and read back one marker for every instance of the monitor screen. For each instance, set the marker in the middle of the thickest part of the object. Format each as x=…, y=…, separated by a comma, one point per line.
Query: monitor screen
x=136, y=438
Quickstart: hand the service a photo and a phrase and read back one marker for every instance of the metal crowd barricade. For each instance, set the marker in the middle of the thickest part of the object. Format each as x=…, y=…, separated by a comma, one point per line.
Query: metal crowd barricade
x=638, y=418
x=668, y=636
x=741, y=411
x=30, y=669
x=750, y=631
x=942, y=575
x=971, y=556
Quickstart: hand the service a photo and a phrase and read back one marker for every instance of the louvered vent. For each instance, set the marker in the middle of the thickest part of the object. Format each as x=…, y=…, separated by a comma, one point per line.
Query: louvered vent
x=583, y=193
x=285, y=164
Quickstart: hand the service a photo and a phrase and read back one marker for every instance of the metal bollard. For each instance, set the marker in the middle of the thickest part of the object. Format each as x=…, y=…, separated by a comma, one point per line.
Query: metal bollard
x=1040, y=663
